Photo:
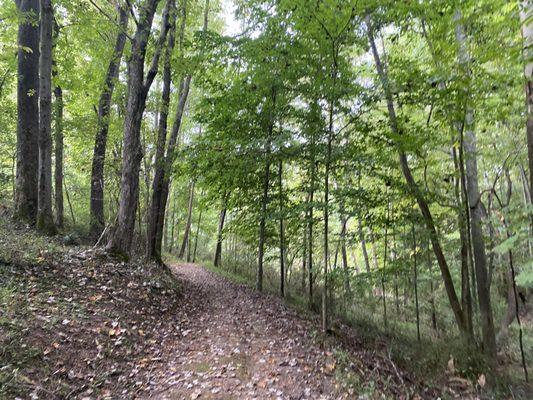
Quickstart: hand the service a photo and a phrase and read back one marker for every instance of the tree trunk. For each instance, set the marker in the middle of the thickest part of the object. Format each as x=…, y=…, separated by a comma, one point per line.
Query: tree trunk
x=476, y=212
x=526, y=14
x=58, y=174
x=197, y=234
x=304, y=255
x=186, y=233
x=262, y=223
x=45, y=219
x=27, y=112
x=173, y=141
x=363, y=242
x=157, y=214
x=281, y=231
x=466, y=298
x=415, y=283
x=413, y=187
x=218, y=250
x=346, y=271
x=138, y=87
x=97, y=220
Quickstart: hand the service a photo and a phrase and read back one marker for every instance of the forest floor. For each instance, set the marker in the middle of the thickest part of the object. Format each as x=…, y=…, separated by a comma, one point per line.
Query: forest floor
x=76, y=324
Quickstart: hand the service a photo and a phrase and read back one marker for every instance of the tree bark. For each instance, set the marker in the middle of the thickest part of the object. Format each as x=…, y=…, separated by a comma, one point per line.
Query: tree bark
x=218, y=250
x=27, y=112
x=476, y=212
x=413, y=187
x=45, y=218
x=138, y=87
x=173, y=141
x=97, y=220
x=157, y=214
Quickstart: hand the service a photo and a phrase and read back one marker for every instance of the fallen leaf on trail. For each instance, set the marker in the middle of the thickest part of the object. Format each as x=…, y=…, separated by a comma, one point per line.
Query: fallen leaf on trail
x=482, y=380
x=451, y=366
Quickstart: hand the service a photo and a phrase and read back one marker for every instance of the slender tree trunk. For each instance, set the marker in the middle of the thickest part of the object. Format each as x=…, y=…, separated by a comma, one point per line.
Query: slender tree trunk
x=197, y=234
x=173, y=227
x=184, y=243
x=415, y=270
x=262, y=223
x=385, y=251
x=304, y=255
x=174, y=134
x=27, y=112
x=153, y=251
x=363, y=242
x=58, y=174
x=432, y=291
x=97, y=220
x=281, y=231
x=138, y=87
x=346, y=271
x=325, y=315
x=45, y=219
x=526, y=14
x=466, y=298
x=218, y=250
x=58, y=140
x=476, y=212
x=412, y=185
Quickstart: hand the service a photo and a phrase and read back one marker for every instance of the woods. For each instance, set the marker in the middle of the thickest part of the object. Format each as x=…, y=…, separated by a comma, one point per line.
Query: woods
x=371, y=162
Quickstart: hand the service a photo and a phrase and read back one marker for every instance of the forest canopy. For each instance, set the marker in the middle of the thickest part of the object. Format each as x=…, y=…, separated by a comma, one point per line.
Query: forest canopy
x=372, y=160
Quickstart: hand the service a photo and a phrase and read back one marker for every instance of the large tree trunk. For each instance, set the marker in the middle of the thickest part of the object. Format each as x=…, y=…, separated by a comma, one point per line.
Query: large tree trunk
x=97, y=220
x=27, y=112
x=413, y=187
x=185, y=243
x=153, y=251
x=45, y=219
x=476, y=211
x=121, y=239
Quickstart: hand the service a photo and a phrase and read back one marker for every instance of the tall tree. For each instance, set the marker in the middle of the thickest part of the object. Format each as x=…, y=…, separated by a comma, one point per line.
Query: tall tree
x=153, y=250
x=218, y=248
x=186, y=233
x=97, y=220
x=526, y=19
x=27, y=111
x=413, y=187
x=138, y=87
x=58, y=139
x=474, y=202
x=45, y=219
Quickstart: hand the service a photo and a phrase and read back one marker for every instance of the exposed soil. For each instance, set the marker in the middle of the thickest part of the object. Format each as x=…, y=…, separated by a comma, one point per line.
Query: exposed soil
x=87, y=327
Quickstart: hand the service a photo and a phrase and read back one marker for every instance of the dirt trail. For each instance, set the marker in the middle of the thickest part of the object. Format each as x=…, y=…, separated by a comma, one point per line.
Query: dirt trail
x=238, y=344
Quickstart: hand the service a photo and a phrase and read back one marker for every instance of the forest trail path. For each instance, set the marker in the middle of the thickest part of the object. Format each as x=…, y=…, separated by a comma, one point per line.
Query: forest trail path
x=239, y=344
